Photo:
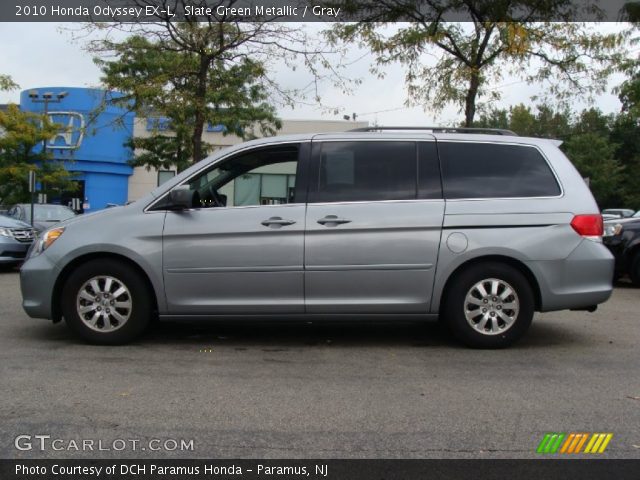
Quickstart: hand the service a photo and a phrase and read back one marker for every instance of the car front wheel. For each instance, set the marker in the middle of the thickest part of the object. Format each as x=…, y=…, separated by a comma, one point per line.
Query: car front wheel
x=489, y=306
x=106, y=302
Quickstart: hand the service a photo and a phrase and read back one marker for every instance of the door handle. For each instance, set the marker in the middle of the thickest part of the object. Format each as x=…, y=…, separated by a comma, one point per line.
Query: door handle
x=277, y=222
x=332, y=221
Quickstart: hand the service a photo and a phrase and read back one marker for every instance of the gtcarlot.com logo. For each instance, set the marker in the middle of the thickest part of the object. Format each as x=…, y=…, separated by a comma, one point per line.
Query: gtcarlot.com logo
x=571, y=443
x=46, y=442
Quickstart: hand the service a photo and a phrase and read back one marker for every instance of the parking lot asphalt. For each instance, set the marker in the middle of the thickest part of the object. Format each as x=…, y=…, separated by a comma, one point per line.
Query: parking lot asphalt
x=340, y=390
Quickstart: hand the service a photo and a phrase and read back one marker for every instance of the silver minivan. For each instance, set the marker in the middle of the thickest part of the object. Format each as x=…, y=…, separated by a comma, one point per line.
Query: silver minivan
x=482, y=229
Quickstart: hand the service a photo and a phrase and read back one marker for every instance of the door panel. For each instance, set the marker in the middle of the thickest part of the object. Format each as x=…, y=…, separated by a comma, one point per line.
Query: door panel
x=242, y=255
x=382, y=259
x=245, y=260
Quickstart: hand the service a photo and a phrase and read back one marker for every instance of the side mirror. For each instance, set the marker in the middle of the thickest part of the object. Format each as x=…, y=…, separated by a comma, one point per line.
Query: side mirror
x=181, y=198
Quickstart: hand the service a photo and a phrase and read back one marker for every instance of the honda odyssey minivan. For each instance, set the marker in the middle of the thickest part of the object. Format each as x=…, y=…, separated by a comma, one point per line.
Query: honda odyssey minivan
x=482, y=228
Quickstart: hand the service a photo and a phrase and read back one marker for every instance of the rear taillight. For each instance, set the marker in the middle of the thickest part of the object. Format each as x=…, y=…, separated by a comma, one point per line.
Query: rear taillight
x=589, y=225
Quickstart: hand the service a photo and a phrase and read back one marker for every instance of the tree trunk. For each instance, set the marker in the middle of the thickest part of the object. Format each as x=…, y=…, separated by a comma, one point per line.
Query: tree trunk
x=201, y=102
x=470, y=100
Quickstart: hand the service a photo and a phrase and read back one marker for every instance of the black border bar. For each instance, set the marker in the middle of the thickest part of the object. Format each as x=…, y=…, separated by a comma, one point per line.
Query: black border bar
x=130, y=11
x=543, y=469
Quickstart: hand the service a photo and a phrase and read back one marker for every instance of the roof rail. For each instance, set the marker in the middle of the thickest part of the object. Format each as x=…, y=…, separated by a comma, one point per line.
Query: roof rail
x=490, y=131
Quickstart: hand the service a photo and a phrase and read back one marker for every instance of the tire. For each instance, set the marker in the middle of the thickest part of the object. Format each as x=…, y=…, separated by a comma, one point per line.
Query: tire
x=117, y=313
x=634, y=272
x=508, y=314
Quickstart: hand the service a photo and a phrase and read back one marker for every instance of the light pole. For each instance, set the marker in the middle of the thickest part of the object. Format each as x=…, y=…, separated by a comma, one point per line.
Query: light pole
x=46, y=98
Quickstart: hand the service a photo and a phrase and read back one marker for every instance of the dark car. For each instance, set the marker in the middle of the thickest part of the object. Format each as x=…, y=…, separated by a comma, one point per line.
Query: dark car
x=623, y=240
x=44, y=215
x=619, y=212
x=15, y=239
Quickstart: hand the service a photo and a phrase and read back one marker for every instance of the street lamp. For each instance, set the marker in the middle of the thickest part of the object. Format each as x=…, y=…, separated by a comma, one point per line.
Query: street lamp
x=46, y=98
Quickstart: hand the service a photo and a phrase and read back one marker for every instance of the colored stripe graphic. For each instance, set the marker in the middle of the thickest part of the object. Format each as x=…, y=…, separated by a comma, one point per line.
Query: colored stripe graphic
x=591, y=443
x=550, y=443
x=572, y=443
x=543, y=443
x=556, y=444
x=604, y=445
x=567, y=442
x=598, y=442
x=581, y=442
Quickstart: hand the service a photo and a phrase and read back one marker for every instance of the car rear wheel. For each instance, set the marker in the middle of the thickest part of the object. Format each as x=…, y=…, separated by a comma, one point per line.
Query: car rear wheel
x=489, y=305
x=106, y=302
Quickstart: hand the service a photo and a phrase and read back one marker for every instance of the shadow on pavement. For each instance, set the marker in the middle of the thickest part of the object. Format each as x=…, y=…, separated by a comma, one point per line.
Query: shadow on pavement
x=277, y=335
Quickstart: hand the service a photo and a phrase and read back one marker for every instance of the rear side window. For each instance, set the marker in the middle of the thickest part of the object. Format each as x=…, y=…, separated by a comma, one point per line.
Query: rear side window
x=485, y=170
x=366, y=171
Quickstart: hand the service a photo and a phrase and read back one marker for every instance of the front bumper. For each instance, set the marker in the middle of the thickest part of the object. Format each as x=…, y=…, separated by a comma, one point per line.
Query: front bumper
x=13, y=251
x=37, y=278
x=583, y=279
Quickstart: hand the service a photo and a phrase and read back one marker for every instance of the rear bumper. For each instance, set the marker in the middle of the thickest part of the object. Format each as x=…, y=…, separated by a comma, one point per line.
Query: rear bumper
x=583, y=279
x=37, y=279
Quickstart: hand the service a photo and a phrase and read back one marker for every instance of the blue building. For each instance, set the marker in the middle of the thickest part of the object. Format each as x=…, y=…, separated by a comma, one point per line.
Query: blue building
x=92, y=144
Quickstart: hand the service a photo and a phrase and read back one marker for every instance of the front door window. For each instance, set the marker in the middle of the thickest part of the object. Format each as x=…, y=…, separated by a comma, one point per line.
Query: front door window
x=264, y=176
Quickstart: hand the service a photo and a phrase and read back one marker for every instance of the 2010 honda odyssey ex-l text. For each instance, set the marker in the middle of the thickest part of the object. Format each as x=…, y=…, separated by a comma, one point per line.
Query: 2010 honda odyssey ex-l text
x=480, y=228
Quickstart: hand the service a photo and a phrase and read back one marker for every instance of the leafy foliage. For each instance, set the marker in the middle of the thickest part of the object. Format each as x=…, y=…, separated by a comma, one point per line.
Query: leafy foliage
x=462, y=63
x=21, y=133
x=593, y=156
x=7, y=83
x=194, y=76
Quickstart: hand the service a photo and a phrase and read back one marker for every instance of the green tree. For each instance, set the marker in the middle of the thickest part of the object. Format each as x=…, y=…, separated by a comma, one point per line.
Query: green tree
x=22, y=135
x=544, y=122
x=629, y=94
x=461, y=63
x=625, y=130
x=208, y=69
x=191, y=83
x=594, y=157
x=7, y=83
x=625, y=133
x=493, y=118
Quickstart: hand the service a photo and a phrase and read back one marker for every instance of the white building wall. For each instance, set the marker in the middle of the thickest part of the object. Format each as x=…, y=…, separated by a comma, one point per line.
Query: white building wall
x=142, y=181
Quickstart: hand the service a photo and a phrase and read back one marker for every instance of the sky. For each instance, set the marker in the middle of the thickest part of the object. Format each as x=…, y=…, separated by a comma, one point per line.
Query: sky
x=40, y=55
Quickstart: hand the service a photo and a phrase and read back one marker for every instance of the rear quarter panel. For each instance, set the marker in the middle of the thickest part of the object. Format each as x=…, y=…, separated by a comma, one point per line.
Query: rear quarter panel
x=528, y=230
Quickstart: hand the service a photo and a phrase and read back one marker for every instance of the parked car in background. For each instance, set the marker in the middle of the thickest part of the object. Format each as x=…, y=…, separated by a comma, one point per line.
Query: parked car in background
x=483, y=230
x=619, y=212
x=15, y=239
x=44, y=215
x=622, y=238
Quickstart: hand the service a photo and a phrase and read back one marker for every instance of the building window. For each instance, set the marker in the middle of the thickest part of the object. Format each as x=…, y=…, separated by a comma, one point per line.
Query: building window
x=165, y=175
x=264, y=189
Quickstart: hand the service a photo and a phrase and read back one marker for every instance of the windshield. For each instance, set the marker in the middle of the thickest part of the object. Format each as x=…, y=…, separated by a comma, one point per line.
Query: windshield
x=49, y=213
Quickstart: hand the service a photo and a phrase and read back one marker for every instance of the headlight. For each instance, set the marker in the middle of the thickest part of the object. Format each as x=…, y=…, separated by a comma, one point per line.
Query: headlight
x=612, y=230
x=46, y=240
x=5, y=232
